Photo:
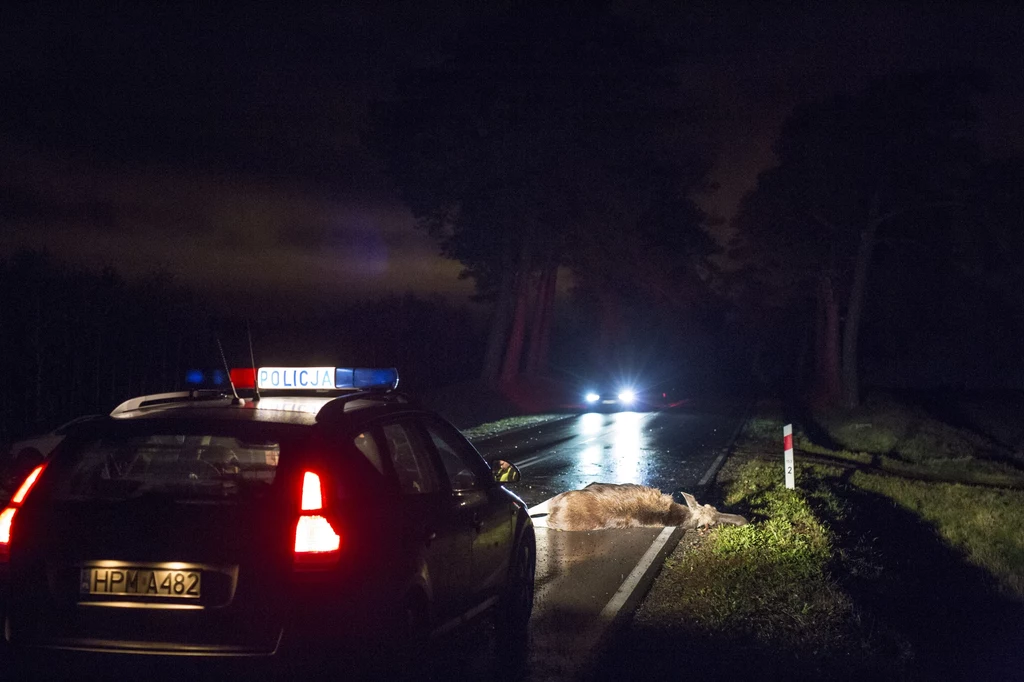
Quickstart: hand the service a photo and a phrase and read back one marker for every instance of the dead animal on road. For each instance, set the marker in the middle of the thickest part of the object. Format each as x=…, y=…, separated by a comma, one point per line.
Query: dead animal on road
x=627, y=505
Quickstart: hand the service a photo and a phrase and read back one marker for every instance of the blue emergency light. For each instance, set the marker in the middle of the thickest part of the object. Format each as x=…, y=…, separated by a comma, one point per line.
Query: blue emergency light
x=325, y=378
x=197, y=377
x=365, y=377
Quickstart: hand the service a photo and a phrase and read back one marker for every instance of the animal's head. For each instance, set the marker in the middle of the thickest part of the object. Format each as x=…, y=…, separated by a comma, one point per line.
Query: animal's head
x=706, y=515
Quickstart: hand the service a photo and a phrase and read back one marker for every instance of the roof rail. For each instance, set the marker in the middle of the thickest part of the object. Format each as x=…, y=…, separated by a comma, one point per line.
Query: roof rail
x=165, y=399
x=337, y=406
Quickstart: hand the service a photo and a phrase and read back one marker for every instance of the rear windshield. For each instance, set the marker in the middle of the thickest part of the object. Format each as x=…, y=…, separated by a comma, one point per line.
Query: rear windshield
x=177, y=465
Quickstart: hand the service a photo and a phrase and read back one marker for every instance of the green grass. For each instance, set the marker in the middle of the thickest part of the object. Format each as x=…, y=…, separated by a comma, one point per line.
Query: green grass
x=768, y=577
x=959, y=481
x=889, y=498
x=766, y=426
x=888, y=427
x=768, y=584
x=986, y=524
x=895, y=438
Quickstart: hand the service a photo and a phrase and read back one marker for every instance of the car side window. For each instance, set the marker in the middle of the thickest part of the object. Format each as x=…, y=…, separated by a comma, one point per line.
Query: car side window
x=367, y=444
x=410, y=458
x=463, y=472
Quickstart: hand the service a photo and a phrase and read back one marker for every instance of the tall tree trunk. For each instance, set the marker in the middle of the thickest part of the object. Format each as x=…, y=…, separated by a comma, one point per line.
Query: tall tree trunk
x=756, y=364
x=500, y=320
x=536, y=324
x=827, y=367
x=854, y=311
x=517, y=337
x=611, y=328
x=550, y=293
x=807, y=347
x=540, y=332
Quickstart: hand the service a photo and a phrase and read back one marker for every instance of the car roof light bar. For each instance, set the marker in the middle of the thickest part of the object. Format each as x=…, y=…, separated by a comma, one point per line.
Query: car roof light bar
x=324, y=378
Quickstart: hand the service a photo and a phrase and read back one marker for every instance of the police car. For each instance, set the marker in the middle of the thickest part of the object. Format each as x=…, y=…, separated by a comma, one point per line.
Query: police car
x=316, y=509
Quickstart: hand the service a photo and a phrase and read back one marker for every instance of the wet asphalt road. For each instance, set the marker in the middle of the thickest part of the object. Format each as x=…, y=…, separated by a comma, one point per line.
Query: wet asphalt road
x=671, y=450
x=585, y=580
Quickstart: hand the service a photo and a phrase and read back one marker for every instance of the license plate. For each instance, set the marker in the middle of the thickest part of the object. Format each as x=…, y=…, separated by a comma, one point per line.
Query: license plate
x=141, y=582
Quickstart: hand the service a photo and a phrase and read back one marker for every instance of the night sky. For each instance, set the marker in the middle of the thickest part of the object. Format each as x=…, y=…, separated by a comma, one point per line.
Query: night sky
x=225, y=149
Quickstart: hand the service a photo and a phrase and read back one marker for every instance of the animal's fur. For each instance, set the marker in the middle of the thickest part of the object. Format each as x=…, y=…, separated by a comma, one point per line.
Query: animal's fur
x=627, y=505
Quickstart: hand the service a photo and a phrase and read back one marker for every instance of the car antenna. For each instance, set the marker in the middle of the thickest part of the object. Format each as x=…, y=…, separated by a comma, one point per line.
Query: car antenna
x=252, y=359
x=235, y=400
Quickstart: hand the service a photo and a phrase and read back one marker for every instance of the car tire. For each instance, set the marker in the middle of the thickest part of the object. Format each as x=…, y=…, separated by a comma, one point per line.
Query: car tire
x=516, y=605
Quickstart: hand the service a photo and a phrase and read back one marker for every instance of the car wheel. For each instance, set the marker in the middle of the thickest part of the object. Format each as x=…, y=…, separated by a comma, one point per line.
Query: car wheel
x=516, y=603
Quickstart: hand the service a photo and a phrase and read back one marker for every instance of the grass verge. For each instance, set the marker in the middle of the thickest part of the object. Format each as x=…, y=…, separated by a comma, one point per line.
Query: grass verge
x=500, y=426
x=985, y=524
x=891, y=560
x=759, y=601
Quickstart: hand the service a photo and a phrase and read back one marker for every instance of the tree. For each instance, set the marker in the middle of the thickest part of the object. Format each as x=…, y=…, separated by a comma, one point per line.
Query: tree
x=992, y=251
x=544, y=139
x=849, y=170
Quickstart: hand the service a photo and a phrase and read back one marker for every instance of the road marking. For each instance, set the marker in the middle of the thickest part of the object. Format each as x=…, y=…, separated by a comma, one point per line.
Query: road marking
x=618, y=600
x=718, y=460
x=714, y=467
x=536, y=460
x=529, y=460
x=464, y=618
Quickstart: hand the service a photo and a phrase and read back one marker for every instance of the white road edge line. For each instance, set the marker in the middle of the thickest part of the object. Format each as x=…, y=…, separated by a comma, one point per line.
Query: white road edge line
x=618, y=600
x=718, y=460
x=714, y=467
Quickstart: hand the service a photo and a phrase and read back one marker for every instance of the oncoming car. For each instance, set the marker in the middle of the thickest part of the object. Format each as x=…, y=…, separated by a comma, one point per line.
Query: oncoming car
x=284, y=526
x=636, y=394
x=612, y=396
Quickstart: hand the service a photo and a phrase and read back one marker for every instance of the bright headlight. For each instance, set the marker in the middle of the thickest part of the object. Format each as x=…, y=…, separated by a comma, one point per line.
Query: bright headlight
x=592, y=397
x=627, y=396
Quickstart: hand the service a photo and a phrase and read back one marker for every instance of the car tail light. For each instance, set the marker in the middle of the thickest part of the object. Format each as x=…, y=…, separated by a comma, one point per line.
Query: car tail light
x=312, y=495
x=19, y=496
x=6, y=519
x=315, y=534
x=7, y=515
x=316, y=541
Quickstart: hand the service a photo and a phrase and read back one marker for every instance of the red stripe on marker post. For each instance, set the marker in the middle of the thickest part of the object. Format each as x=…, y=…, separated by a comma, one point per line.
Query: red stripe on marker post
x=787, y=447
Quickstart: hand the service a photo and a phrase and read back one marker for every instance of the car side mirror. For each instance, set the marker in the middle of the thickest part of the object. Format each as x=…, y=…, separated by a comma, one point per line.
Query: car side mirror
x=505, y=471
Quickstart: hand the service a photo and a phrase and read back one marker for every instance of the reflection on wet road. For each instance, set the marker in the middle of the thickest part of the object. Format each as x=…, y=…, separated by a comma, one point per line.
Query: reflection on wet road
x=582, y=576
x=671, y=450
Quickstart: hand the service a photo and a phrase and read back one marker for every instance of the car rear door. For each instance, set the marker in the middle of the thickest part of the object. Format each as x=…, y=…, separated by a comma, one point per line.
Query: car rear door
x=169, y=539
x=441, y=540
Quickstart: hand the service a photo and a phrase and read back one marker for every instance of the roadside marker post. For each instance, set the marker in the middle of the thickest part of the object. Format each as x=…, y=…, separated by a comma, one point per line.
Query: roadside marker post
x=787, y=444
